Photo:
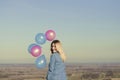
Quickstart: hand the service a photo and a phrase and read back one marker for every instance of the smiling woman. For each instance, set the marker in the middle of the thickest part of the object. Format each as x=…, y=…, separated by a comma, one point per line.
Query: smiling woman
x=56, y=69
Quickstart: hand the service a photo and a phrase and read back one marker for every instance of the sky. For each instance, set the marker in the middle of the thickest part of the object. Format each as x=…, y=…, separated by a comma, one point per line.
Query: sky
x=89, y=30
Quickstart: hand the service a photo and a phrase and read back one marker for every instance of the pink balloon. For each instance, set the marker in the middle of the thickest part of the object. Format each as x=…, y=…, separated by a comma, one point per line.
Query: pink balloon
x=50, y=35
x=36, y=51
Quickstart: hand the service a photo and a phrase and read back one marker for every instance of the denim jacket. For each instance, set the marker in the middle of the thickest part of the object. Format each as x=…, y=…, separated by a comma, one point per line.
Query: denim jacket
x=56, y=69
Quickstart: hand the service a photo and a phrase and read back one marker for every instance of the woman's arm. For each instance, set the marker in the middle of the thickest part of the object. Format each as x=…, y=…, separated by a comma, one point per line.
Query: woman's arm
x=52, y=63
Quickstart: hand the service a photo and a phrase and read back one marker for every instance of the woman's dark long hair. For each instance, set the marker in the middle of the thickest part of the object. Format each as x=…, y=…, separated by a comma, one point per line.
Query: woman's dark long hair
x=53, y=42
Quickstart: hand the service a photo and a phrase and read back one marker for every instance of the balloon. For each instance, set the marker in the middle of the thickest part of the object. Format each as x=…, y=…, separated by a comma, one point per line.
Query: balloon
x=40, y=38
x=50, y=35
x=30, y=46
x=36, y=51
x=40, y=61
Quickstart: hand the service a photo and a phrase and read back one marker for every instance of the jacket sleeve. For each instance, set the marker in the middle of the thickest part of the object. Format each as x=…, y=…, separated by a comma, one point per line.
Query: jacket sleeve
x=52, y=63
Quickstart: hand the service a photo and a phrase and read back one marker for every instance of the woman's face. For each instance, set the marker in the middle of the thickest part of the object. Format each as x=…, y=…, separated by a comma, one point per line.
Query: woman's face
x=53, y=47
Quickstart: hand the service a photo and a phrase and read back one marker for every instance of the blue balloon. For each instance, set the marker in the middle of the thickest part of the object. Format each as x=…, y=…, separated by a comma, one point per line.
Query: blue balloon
x=40, y=38
x=41, y=62
x=30, y=46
